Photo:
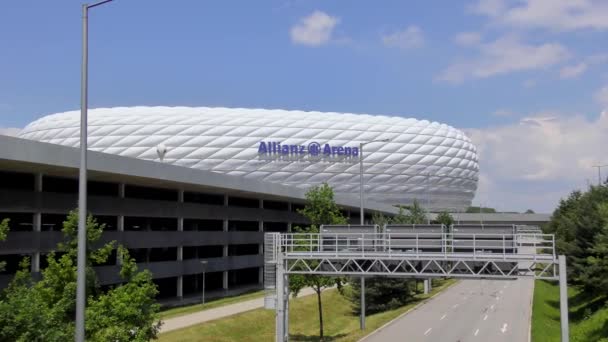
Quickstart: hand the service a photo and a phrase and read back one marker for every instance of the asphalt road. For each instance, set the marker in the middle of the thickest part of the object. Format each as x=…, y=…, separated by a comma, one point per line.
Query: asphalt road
x=472, y=310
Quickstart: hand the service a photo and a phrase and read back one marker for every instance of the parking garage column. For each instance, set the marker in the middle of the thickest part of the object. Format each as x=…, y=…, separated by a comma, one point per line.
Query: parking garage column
x=37, y=224
x=180, y=249
x=261, y=246
x=225, y=249
x=120, y=224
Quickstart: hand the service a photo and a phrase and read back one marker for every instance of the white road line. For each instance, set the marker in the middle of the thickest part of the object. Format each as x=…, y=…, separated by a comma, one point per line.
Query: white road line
x=455, y=306
x=428, y=331
x=492, y=307
x=485, y=317
x=476, y=332
x=500, y=291
x=442, y=317
x=497, y=298
x=504, y=328
x=504, y=287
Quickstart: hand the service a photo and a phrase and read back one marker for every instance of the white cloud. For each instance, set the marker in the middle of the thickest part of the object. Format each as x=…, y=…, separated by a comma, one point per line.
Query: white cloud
x=490, y=8
x=467, y=38
x=410, y=38
x=314, y=30
x=10, y=131
x=558, y=15
x=505, y=55
x=602, y=96
x=572, y=71
x=534, y=162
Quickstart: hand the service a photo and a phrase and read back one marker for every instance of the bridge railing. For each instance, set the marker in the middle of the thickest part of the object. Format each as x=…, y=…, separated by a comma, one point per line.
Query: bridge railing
x=480, y=245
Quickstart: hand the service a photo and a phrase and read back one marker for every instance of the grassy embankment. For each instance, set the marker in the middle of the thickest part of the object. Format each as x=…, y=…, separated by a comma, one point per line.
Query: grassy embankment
x=588, y=316
x=258, y=325
x=184, y=310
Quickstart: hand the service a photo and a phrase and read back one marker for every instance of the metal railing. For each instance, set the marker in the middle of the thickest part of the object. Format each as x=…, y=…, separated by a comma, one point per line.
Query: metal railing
x=482, y=245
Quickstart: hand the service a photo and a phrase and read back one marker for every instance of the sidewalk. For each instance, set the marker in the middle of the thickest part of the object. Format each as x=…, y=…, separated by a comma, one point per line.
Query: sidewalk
x=184, y=321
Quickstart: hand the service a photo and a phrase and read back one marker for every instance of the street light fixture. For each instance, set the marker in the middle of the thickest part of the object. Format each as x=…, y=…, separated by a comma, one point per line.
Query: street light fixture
x=204, y=266
x=361, y=220
x=82, y=180
x=361, y=173
x=599, y=173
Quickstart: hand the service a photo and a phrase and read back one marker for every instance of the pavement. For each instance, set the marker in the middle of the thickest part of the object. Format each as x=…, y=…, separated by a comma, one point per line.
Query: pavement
x=217, y=313
x=472, y=310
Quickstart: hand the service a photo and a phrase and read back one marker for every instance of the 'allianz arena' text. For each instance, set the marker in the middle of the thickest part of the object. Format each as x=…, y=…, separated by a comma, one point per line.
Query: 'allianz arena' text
x=432, y=162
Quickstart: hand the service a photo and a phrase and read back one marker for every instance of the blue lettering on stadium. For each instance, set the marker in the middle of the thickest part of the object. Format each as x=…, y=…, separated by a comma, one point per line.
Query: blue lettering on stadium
x=314, y=149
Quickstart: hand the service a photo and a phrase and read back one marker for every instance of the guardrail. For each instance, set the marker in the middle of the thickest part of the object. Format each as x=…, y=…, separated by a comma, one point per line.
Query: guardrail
x=480, y=245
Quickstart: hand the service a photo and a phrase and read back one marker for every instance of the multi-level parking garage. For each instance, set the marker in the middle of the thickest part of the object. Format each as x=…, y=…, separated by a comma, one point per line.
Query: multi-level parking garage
x=169, y=217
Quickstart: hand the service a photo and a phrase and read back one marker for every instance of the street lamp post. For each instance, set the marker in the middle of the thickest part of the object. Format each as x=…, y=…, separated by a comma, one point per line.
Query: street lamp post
x=82, y=179
x=599, y=173
x=362, y=221
x=204, y=265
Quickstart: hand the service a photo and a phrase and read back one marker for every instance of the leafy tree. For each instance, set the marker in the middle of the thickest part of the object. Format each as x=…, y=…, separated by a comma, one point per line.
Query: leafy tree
x=45, y=310
x=415, y=215
x=320, y=208
x=382, y=294
x=3, y=232
x=579, y=225
x=529, y=211
x=594, y=275
x=444, y=218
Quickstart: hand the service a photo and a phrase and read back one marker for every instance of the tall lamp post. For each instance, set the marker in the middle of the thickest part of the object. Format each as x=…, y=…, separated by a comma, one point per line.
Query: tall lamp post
x=362, y=221
x=82, y=179
x=599, y=173
x=204, y=265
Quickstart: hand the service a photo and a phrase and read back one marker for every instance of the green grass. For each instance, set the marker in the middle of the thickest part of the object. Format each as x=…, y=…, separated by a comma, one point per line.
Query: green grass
x=184, y=310
x=258, y=325
x=588, y=316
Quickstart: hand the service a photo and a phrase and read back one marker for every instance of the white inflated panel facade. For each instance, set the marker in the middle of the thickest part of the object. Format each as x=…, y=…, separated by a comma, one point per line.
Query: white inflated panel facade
x=428, y=161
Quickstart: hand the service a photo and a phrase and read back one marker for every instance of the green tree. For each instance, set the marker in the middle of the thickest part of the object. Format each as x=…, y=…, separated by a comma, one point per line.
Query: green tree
x=594, y=275
x=3, y=233
x=320, y=209
x=45, y=310
x=415, y=214
x=529, y=211
x=579, y=226
x=444, y=218
x=381, y=294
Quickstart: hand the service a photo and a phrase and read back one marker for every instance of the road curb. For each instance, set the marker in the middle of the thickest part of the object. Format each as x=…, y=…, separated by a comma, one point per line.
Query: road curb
x=407, y=312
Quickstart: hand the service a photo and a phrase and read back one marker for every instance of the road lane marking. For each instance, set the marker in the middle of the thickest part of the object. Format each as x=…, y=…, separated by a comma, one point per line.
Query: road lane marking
x=504, y=328
x=497, y=298
x=500, y=291
x=428, y=331
x=442, y=317
x=485, y=317
x=476, y=332
x=492, y=307
x=455, y=306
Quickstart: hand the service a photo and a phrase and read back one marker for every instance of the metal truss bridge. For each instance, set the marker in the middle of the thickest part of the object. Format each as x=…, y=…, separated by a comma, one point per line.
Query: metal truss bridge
x=476, y=252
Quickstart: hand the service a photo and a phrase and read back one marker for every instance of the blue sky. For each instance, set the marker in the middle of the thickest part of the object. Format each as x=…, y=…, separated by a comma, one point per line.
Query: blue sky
x=496, y=68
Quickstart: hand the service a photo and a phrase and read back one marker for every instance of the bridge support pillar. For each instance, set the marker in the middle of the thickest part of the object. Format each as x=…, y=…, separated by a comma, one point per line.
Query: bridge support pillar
x=427, y=285
x=282, y=304
x=563, y=298
x=362, y=318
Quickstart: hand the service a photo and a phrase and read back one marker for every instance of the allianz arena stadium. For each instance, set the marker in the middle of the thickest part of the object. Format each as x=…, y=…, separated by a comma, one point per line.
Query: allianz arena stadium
x=420, y=160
